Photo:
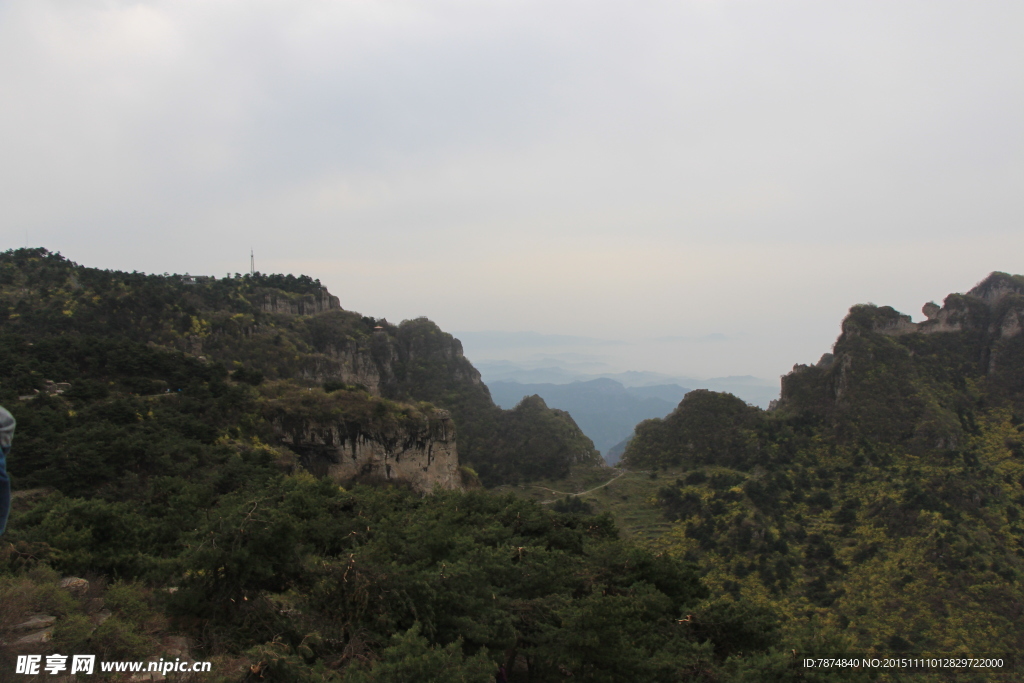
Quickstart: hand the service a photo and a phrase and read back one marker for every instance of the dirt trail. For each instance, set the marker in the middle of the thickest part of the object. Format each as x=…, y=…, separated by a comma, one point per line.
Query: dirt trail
x=581, y=493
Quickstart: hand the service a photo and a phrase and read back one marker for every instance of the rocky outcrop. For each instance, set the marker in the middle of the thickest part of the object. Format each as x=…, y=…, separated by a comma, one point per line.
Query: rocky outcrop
x=978, y=333
x=353, y=362
x=381, y=361
x=996, y=305
x=277, y=301
x=343, y=352
x=1011, y=325
x=420, y=453
x=895, y=325
x=996, y=287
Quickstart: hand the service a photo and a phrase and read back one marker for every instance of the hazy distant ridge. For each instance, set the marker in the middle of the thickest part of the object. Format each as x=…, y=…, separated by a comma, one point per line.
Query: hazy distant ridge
x=604, y=409
x=754, y=390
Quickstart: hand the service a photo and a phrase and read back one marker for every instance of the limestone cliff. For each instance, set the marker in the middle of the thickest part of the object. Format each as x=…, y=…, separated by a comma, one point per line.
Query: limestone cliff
x=351, y=435
x=424, y=456
x=277, y=301
x=416, y=360
x=389, y=359
x=412, y=361
x=352, y=361
x=321, y=345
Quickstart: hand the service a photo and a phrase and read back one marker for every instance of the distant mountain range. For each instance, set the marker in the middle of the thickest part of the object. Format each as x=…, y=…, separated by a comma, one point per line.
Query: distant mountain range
x=608, y=407
x=754, y=390
x=604, y=409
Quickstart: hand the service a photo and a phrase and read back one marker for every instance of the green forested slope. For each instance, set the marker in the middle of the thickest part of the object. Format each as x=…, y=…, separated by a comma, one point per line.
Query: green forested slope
x=877, y=509
x=96, y=327
x=160, y=469
x=880, y=503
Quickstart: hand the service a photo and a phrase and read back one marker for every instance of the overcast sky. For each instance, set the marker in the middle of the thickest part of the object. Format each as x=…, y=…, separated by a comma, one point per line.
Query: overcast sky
x=734, y=175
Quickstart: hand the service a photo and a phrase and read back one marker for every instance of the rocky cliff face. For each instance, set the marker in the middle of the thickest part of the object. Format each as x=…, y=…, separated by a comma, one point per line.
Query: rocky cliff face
x=418, y=361
x=895, y=380
x=276, y=301
x=391, y=358
x=995, y=306
x=353, y=361
x=422, y=454
x=410, y=362
x=989, y=319
x=290, y=330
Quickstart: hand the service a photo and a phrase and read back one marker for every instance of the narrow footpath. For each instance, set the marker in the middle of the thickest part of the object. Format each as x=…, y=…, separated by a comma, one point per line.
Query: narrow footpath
x=581, y=493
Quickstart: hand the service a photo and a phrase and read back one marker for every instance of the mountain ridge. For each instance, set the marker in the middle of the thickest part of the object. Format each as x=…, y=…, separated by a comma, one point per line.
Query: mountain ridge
x=284, y=328
x=880, y=501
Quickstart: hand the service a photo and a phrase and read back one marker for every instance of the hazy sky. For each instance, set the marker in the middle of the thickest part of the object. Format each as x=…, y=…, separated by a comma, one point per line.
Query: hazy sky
x=618, y=170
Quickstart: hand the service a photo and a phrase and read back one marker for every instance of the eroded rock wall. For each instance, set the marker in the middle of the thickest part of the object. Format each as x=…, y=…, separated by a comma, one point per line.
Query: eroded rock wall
x=305, y=304
x=995, y=305
x=422, y=454
x=352, y=362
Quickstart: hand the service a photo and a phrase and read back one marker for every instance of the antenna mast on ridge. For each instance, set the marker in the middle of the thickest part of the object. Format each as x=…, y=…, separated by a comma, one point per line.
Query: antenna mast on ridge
x=252, y=263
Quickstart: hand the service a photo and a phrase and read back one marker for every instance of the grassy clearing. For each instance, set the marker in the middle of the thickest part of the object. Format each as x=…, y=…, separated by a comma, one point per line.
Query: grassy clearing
x=629, y=496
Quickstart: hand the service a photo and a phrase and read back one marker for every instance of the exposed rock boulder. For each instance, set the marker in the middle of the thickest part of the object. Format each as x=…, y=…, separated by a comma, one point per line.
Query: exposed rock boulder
x=36, y=621
x=36, y=637
x=75, y=585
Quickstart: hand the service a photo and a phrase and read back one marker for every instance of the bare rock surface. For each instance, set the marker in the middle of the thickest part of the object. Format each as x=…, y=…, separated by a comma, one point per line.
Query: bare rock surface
x=36, y=622
x=423, y=455
x=36, y=637
x=75, y=585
